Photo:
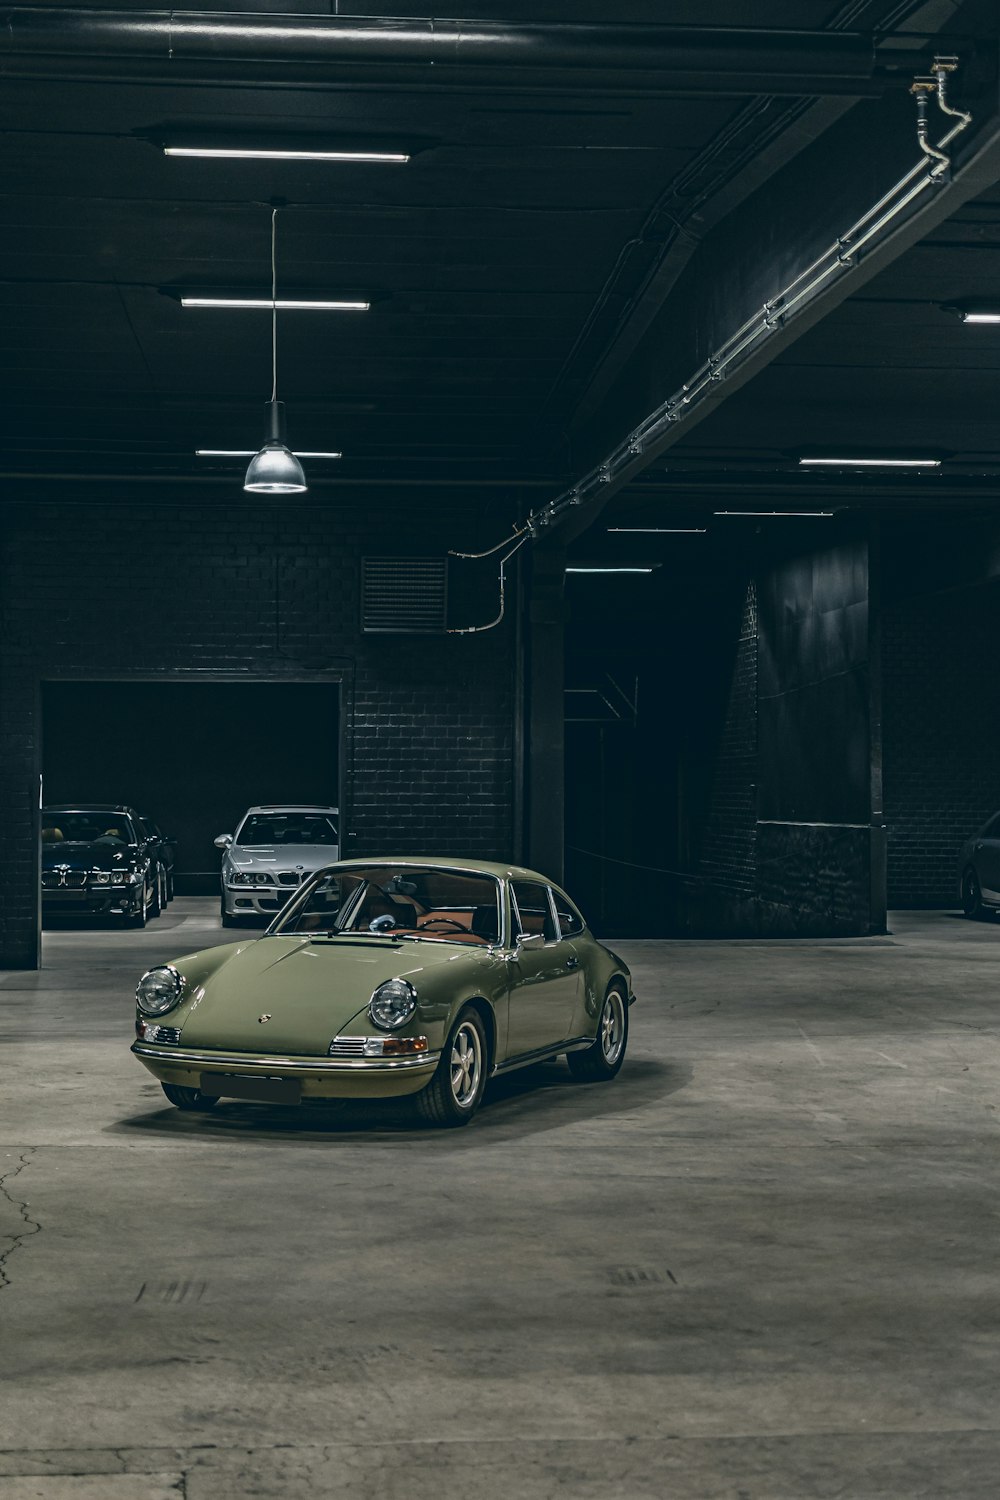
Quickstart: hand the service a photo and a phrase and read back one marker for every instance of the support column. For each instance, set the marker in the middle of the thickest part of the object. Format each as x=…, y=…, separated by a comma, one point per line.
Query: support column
x=20, y=786
x=817, y=776
x=544, y=770
x=879, y=838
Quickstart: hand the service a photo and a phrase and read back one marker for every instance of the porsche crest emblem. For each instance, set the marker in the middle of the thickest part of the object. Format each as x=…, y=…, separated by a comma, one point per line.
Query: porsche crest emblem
x=265, y=1017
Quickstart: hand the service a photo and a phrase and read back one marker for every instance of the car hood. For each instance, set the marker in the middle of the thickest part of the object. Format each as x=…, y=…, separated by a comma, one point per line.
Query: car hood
x=84, y=856
x=310, y=990
x=282, y=856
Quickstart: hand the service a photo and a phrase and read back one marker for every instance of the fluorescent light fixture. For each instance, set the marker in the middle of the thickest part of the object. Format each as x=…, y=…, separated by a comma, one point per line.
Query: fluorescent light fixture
x=657, y=530
x=283, y=304
x=249, y=452
x=609, y=570
x=268, y=153
x=869, y=463
x=980, y=317
x=769, y=513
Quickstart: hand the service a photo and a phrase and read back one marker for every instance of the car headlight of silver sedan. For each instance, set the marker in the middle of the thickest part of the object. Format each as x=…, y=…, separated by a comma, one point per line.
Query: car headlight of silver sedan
x=159, y=990
x=392, y=1004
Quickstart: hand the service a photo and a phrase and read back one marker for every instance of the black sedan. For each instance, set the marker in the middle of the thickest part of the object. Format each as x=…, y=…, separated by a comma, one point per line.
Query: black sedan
x=99, y=858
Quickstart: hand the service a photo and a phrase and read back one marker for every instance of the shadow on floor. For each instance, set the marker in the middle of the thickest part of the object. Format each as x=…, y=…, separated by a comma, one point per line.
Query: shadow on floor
x=532, y=1100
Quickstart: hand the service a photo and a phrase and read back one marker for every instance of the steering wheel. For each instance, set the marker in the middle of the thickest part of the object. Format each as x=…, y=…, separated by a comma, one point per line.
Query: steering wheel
x=441, y=922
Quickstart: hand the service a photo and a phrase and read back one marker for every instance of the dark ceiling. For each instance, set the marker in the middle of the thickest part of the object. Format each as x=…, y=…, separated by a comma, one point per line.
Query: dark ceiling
x=512, y=259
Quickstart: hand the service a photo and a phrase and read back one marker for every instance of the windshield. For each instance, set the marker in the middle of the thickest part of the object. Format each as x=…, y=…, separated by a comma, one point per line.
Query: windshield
x=400, y=901
x=86, y=828
x=287, y=828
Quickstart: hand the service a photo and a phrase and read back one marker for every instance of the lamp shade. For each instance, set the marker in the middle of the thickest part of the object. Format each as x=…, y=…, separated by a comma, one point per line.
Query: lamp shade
x=275, y=470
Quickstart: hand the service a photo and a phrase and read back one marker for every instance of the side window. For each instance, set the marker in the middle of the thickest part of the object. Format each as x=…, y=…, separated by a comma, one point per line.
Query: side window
x=570, y=920
x=533, y=909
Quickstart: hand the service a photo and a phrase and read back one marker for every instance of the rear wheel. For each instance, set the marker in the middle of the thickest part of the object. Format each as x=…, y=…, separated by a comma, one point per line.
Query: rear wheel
x=156, y=895
x=454, y=1093
x=972, y=895
x=188, y=1098
x=602, y=1060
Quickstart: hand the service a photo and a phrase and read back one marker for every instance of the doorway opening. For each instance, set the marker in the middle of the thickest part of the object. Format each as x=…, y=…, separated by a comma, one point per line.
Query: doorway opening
x=192, y=756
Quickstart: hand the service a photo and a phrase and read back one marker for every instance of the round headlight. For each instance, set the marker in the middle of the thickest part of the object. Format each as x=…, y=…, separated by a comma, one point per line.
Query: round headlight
x=158, y=991
x=392, y=1004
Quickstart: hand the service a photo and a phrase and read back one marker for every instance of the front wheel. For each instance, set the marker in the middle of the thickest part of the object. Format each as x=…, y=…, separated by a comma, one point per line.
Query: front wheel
x=602, y=1060
x=188, y=1098
x=454, y=1093
x=972, y=895
x=226, y=919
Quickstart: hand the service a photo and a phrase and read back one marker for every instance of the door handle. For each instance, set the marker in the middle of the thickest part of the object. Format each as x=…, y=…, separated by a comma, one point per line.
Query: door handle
x=573, y=962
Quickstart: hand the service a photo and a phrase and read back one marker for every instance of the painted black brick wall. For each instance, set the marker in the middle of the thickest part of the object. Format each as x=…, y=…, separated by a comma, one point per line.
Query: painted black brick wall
x=156, y=586
x=941, y=729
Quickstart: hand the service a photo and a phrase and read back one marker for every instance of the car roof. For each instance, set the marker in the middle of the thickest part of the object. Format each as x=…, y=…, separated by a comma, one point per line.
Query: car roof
x=291, y=807
x=87, y=807
x=496, y=868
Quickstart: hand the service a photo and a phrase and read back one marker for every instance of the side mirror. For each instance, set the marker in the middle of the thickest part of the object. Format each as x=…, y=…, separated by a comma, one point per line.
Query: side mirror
x=531, y=940
x=223, y=841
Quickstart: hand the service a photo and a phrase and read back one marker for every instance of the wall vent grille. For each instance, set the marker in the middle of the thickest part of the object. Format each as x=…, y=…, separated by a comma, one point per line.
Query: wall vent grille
x=404, y=595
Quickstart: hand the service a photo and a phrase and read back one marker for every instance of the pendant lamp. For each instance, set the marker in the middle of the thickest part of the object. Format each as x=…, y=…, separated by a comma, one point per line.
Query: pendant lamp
x=274, y=470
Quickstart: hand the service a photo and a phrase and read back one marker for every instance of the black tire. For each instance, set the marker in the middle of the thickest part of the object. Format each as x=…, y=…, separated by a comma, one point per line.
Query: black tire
x=456, y=1090
x=138, y=918
x=156, y=904
x=603, y=1060
x=170, y=885
x=188, y=1098
x=972, y=896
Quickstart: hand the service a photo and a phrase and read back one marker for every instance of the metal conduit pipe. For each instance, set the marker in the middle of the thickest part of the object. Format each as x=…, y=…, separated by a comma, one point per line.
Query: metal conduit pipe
x=37, y=40
x=633, y=452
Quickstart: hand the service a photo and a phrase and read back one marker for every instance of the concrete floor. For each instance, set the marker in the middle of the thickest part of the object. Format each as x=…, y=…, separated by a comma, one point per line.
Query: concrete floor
x=759, y=1266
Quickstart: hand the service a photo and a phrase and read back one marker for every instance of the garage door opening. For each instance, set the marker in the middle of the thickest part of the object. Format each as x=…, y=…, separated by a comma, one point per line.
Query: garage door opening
x=192, y=756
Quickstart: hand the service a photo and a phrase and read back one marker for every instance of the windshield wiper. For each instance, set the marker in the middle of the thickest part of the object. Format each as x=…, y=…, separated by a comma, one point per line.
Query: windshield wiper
x=366, y=937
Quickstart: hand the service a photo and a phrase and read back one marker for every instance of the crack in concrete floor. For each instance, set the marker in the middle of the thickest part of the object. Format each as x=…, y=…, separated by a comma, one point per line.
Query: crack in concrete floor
x=21, y=1207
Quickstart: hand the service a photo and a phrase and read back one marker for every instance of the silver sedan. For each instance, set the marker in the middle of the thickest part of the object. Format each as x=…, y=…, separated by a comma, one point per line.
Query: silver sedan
x=274, y=849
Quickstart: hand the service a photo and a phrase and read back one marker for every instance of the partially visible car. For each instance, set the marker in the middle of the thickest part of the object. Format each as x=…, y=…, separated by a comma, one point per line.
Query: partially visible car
x=166, y=852
x=381, y=978
x=979, y=870
x=98, y=857
x=274, y=849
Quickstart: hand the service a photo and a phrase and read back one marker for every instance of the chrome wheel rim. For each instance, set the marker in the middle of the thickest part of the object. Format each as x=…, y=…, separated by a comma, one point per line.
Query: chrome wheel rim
x=466, y=1064
x=612, y=1028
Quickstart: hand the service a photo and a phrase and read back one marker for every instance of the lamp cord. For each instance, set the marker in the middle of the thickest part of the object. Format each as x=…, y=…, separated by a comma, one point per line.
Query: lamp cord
x=274, y=307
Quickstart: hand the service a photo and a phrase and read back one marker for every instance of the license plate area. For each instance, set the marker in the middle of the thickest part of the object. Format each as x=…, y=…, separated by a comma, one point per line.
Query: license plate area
x=256, y=1090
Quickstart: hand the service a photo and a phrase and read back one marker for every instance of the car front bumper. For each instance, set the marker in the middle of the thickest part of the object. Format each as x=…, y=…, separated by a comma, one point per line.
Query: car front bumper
x=256, y=900
x=93, y=899
x=319, y=1077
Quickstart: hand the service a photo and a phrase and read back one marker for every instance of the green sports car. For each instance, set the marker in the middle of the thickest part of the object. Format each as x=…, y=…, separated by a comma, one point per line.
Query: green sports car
x=387, y=977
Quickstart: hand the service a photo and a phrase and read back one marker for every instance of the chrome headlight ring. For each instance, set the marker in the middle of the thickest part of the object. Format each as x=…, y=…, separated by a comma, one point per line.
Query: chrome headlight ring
x=159, y=990
x=392, y=1004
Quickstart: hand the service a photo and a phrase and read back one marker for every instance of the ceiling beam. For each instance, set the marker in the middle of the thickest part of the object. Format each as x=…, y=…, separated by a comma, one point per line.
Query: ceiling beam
x=56, y=41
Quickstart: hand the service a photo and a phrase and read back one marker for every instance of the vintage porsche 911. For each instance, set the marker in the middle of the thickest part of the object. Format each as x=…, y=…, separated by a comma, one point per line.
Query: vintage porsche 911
x=389, y=977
